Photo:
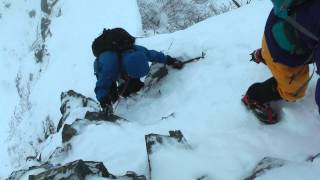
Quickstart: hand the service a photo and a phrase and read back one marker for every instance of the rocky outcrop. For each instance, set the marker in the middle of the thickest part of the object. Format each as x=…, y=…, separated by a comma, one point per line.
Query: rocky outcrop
x=265, y=165
x=275, y=168
x=71, y=100
x=172, y=15
x=76, y=170
x=154, y=142
x=40, y=45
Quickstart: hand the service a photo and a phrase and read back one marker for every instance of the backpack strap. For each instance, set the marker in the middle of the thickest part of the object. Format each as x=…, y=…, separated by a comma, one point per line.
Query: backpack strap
x=302, y=29
x=286, y=9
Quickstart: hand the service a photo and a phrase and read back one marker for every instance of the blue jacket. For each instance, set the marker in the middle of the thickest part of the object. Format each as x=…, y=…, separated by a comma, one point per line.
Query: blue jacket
x=134, y=63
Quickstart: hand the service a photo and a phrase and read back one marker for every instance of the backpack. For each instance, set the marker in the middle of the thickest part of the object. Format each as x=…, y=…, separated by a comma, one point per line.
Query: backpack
x=282, y=8
x=116, y=40
x=285, y=9
x=286, y=31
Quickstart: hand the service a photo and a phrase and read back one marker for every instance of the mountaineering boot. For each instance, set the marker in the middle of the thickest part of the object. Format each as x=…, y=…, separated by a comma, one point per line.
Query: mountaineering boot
x=258, y=97
x=262, y=111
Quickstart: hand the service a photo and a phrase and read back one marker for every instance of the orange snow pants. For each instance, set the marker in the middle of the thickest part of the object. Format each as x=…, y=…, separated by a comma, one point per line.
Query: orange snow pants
x=288, y=88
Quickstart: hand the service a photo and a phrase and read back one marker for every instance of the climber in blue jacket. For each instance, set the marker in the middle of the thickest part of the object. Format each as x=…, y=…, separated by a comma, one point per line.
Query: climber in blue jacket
x=118, y=74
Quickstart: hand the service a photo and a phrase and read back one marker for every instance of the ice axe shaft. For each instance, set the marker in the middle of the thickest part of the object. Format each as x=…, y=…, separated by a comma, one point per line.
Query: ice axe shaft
x=194, y=59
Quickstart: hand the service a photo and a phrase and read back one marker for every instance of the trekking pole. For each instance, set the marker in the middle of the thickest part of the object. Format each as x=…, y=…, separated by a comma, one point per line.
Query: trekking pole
x=203, y=54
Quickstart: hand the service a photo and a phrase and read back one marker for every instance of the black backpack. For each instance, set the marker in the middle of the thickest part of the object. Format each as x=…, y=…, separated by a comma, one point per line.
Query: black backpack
x=116, y=40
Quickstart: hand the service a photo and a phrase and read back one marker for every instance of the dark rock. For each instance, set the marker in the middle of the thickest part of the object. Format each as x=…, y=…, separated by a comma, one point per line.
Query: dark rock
x=17, y=175
x=68, y=132
x=265, y=165
x=101, y=116
x=312, y=158
x=32, y=14
x=76, y=170
x=45, y=23
x=155, y=140
x=71, y=100
x=7, y=5
x=202, y=178
x=174, y=138
x=60, y=152
x=130, y=175
x=47, y=5
x=178, y=136
x=90, y=118
x=40, y=53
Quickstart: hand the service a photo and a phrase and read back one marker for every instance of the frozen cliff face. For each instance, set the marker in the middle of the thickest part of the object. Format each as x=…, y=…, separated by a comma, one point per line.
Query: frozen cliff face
x=173, y=15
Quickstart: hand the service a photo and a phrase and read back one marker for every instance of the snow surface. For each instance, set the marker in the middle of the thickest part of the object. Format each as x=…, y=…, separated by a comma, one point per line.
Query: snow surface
x=227, y=141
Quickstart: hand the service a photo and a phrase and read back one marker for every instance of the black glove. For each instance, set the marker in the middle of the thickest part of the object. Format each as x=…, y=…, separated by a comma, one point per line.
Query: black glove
x=106, y=106
x=175, y=63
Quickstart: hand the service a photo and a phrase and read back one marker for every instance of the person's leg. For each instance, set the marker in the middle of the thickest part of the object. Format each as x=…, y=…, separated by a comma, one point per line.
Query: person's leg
x=132, y=86
x=280, y=86
x=264, y=92
x=113, y=94
x=291, y=81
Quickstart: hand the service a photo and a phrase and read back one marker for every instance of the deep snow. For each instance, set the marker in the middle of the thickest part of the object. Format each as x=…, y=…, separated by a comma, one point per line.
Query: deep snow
x=226, y=140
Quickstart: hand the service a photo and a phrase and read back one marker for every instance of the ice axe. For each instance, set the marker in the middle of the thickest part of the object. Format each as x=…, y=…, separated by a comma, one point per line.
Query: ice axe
x=203, y=54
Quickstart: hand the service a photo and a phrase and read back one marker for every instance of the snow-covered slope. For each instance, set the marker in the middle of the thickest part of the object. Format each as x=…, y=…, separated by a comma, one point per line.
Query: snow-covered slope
x=226, y=140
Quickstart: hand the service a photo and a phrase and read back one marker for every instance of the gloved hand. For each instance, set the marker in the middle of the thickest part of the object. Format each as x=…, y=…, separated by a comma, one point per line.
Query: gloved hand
x=175, y=63
x=106, y=106
x=256, y=56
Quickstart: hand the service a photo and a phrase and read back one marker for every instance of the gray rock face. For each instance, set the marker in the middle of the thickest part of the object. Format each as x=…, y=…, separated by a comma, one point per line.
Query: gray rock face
x=47, y=5
x=101, y=116
x=172, y=15
x=155, y=141
x=175, y=137
x=72, y=130
x=314, y=157
x=60, y=152
x=68, y=132
x=71, y=100
x=17, y=175
x=76, y=170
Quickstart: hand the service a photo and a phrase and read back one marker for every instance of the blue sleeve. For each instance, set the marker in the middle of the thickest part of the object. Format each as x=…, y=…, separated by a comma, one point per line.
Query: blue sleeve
x=108, y=71
x=152, y=55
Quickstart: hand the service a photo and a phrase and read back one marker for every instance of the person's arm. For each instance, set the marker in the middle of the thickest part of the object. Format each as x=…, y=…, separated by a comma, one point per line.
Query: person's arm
x=317, y=61
x=156, y=56
x=153, y=55
x=108, y=65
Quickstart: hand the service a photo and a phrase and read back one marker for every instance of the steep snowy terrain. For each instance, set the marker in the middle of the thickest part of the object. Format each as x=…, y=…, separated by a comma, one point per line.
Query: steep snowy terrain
x=226, y=141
